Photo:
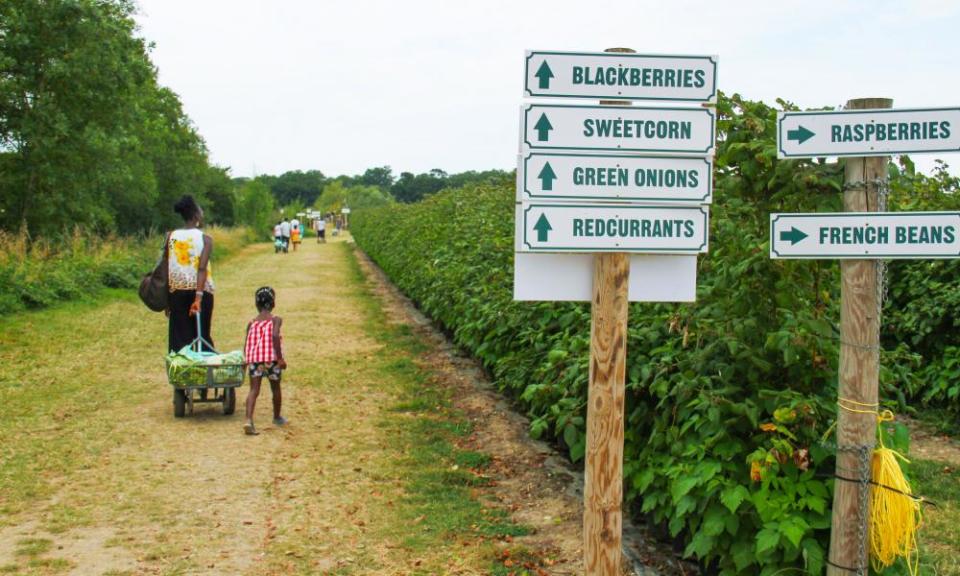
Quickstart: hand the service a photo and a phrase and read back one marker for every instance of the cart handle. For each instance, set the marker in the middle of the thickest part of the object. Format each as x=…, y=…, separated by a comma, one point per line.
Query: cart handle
x=200, y=340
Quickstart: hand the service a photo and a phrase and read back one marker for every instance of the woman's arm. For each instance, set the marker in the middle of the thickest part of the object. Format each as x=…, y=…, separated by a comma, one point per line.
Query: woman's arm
x=202, y=273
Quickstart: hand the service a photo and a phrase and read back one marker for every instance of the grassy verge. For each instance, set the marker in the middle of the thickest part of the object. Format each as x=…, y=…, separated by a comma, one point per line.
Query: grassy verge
x=41, y=273
x=443, y=485
x=940, y=534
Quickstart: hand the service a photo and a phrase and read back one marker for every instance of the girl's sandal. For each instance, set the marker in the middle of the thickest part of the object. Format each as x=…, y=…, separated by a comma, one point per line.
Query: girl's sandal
x=249, y=429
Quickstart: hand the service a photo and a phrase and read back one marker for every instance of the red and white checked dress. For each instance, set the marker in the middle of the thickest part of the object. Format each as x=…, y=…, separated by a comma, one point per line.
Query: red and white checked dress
x=259, y=348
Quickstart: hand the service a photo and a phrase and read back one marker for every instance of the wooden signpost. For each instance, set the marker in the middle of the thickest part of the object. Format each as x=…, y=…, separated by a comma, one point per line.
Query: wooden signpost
x=858, y=383
x=866, y=128
x=603, y=455
x=611, y=180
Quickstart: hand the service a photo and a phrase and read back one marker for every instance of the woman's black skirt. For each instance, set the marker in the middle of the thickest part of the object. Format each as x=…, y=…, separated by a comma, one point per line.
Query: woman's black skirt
x=183, y=327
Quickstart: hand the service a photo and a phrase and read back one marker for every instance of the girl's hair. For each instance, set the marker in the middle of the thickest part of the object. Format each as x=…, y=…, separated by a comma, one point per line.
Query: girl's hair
x=266, y=298
x=187, y=207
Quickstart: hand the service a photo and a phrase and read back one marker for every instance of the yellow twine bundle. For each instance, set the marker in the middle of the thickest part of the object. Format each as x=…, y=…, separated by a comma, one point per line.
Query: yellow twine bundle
x=895, y=515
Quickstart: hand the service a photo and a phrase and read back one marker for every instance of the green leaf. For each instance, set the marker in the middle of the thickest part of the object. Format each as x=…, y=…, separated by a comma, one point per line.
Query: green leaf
x=714, y=520
x=733, y=496
x=579, y=449
x=812, y=556
x=743, y=555
x=681, y=486
x=700, y=547
x=570, y=435
x=792, y=531
x=642, y=480
x=815, y=503
x=686, y=505
x=767, y=539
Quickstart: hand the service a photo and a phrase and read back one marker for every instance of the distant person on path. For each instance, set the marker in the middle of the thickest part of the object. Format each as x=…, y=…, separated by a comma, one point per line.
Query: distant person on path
x=285, y=233
x=263, y=353
x=320, y=225
x=277, y=237
x=190, y=277
x=295, y=234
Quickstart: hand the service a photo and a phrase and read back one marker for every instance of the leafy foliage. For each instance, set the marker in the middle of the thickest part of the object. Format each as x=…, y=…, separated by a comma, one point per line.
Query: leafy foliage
x=254, y=207
x=39, y=273
x=336, y=196
x=727, y=398
x=87, y=135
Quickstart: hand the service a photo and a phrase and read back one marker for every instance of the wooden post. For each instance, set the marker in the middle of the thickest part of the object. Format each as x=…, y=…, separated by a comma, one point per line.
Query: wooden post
x=859, y=370
x=603, y=459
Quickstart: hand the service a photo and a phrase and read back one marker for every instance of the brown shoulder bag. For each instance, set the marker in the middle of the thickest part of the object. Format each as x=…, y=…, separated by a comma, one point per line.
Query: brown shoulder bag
x=154, y=288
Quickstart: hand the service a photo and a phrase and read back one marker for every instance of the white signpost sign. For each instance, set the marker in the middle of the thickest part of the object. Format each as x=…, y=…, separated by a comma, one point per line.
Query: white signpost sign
x=688, y=131
x=620, y=76
x=577, y=177
x=867, y=132
x=865, y=235
x=611, y=228
x=569, y=277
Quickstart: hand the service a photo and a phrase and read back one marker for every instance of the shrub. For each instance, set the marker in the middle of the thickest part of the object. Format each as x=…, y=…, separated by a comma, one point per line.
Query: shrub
x=36, y=274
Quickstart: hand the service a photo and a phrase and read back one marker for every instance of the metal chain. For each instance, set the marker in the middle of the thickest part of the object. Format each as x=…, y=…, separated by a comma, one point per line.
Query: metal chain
x=883, y=282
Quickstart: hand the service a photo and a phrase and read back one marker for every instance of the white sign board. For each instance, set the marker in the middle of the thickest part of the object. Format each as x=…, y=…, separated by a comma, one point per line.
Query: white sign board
x=344, y=210
x=611, y=228
x=577, y=177
x=687, y=131
x=569, y=277
x=620, y=76
x=867, y=132
x=865, y=235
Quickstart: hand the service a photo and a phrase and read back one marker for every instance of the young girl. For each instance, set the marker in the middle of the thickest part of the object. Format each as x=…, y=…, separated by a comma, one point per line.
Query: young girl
x=264, y=356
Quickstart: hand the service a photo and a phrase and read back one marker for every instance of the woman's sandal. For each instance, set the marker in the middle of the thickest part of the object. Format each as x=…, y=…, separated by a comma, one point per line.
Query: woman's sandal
x=249, y=429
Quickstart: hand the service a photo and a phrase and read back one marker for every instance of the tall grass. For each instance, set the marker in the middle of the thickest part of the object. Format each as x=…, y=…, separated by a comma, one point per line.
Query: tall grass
x=36, y=273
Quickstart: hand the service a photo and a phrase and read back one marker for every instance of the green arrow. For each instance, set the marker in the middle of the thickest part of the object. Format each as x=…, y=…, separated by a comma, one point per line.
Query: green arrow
x=792, y=236
x=542, y=227
x=544, y=73
x=543, y=128
x=801, y=134
x=546, y=177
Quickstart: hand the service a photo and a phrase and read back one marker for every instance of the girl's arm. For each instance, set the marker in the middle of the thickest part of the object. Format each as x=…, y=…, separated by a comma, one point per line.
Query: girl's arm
x=246, y=337
x=277, y=323
x=202, y=273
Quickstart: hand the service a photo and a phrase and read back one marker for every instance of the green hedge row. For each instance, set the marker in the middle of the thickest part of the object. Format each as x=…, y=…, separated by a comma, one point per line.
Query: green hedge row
x=37, y=274
x=727, y=398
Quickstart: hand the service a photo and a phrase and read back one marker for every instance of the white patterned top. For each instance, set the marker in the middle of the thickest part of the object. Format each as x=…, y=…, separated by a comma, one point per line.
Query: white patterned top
x=184, y=261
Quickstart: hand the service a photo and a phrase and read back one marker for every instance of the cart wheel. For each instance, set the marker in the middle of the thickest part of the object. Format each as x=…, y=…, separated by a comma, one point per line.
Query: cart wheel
x=229, y=401
x=179, y=402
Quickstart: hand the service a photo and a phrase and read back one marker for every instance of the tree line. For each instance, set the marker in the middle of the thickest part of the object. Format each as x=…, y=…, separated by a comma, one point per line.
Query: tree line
x=88, y=136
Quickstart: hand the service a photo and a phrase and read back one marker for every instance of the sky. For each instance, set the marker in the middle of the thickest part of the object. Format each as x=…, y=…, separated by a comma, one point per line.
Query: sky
x=340, y=86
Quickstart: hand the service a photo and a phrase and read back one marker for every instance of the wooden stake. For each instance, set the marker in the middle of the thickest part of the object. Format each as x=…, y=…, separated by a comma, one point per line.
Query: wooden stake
x=859, y=370
x=603, y=459
x=603, y=477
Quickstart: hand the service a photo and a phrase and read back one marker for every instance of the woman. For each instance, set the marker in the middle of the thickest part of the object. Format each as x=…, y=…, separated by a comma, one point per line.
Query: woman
x=190, y=278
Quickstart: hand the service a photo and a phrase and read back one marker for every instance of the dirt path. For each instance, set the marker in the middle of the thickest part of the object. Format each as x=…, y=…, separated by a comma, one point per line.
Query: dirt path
x=378, y=472
x=927, y=443
x=194, y=495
